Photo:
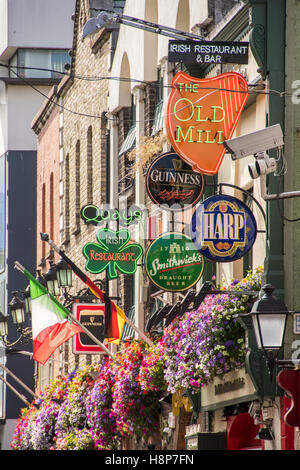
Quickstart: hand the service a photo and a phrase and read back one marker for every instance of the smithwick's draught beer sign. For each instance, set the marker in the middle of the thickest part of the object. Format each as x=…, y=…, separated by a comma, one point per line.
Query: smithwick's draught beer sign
x=91, y=316
x=173, y=263
x=201, y=114
x=114, y=252
x=223, y=228
x=172, y=184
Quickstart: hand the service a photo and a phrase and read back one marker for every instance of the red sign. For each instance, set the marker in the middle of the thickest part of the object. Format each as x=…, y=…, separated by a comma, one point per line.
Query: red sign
x=91, y=316
x=201, y=114
x=289, y=380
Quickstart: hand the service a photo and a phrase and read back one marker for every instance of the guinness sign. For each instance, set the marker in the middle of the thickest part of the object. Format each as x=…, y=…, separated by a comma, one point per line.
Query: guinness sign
x=91, y=316
x=172, y=184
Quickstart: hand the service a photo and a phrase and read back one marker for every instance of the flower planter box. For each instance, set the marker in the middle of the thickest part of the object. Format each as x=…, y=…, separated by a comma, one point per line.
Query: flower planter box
x=233, y=387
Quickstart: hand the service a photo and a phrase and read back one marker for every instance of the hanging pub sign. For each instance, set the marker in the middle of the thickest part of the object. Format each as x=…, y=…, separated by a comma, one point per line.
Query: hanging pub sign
x=97, y=216
x=223, y=228
x=208, y=52
x=201, y=114
x=172, y=184
x=173, y=263
x=91, y=316
x=114, y=252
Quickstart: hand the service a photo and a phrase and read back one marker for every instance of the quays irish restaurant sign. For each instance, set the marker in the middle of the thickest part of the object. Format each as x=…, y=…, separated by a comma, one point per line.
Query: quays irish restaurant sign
x=201, y=114
x=173, y=263
x=114, y=252
x=223, y=228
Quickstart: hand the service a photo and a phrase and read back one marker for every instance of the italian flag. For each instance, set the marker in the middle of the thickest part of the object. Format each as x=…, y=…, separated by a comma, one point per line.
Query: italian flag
x=50, y=324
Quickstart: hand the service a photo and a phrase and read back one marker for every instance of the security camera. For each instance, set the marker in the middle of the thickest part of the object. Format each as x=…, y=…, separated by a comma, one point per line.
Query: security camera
x=255, y=142
x=263, y=166
x=93, y=24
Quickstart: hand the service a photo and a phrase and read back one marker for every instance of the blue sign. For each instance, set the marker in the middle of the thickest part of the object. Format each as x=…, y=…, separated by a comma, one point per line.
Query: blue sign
x=223, y=228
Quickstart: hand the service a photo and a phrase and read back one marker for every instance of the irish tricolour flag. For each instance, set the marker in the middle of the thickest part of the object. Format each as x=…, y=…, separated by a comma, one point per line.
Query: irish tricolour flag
x=50, y=324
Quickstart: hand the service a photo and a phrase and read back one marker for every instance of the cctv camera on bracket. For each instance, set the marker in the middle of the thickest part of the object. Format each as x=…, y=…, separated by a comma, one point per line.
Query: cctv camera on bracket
x=263, y=165
x=255, y=142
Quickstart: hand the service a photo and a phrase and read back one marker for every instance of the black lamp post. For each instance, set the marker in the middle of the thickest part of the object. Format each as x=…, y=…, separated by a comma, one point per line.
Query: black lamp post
x=51, y=280
x=63, y=274
x=269, y=318
x=16, y=307
x=27, y=300
x=3, y=326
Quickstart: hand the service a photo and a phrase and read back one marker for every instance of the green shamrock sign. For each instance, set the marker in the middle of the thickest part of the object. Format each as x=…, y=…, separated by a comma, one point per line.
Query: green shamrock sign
x=114, y=252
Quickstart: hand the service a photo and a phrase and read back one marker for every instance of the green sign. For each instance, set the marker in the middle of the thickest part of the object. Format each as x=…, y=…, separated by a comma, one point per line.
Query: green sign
x=113, y=252
x=173, y=263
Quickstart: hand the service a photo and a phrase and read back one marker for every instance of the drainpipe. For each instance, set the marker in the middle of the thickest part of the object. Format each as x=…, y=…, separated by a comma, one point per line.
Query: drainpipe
x=268, y=29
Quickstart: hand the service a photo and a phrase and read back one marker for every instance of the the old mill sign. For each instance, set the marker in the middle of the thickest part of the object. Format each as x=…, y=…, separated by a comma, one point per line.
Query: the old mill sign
x=201, y=114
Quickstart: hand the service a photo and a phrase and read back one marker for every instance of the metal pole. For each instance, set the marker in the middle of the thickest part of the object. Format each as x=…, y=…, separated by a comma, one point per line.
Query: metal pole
x=15, y=391
x=142, y=335
x=21, y=268
x=91, y=336
x=18, y=380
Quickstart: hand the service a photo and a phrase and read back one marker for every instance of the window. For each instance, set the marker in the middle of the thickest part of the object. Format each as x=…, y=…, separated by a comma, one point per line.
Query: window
x=51, y=207
x=67, y=199
x=89, y=163
x=130, y=138
x=77, y=188
x=2, y=212
x=158, y=122
x=39, y=63
x=44, y=217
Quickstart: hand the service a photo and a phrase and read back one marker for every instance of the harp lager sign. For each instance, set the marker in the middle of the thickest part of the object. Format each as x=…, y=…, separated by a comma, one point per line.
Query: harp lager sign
x=223, y=228
x=173, y=263
x=201, y=114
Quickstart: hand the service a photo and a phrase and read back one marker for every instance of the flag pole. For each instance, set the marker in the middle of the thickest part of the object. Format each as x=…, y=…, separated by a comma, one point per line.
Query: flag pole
x=18, y=380
x=45, y=237
x=101, y=345
x=15, y=391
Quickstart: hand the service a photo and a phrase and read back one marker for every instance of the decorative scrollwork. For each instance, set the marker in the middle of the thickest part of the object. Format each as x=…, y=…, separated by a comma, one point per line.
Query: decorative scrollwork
x=257, y=41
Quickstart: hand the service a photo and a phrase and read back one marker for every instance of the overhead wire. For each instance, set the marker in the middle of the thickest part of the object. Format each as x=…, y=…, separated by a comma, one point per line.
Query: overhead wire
x=125, y=79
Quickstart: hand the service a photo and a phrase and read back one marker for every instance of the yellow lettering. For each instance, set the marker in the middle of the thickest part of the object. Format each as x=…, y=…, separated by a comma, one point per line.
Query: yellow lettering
x=214, y=119
x=184, y=107
x=198, y=114
x=184, y=137
x=207, y=141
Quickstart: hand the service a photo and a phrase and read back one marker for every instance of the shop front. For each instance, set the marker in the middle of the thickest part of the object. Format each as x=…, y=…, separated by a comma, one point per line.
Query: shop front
x=227, y=401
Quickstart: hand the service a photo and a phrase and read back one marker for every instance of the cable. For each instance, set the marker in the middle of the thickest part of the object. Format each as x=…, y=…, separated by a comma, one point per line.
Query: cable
x=145, y=82
x=115, y=78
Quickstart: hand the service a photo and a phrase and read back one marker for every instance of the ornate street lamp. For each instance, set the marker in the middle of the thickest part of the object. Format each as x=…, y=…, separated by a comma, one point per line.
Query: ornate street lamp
x=27, y=300
x=3, y=326
x=51, y=280
x=63, y=274
x=16, y=307
x=269, y=319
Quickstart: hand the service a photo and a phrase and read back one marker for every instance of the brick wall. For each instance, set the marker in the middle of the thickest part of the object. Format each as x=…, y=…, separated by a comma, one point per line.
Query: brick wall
x=84, y=158
x=48, y=186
